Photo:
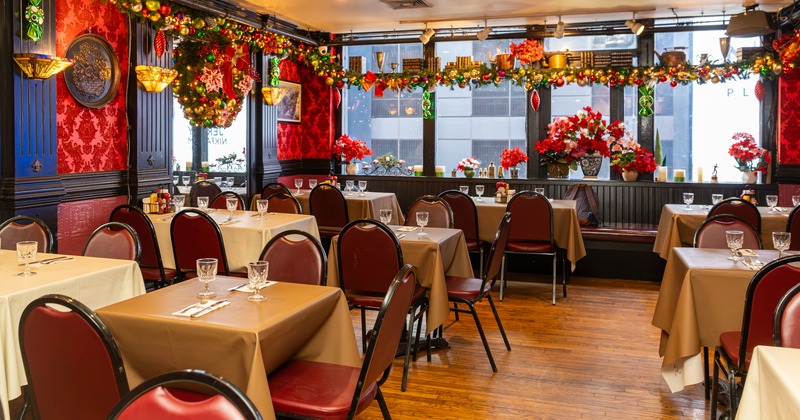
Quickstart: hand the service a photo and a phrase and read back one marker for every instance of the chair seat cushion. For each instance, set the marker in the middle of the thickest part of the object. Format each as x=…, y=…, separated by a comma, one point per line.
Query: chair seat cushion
x=361, y=298
x=466, y=287
x=154, y=274
x=535, y=247
x=729, y=342
x=474, y=244
x=317, y=390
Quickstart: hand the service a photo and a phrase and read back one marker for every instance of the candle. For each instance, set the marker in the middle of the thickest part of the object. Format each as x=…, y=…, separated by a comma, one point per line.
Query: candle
x=188, y=166
x=699, y=174
x=440, y=171
x=417, y=170
x=662, y=174
x=679, y=175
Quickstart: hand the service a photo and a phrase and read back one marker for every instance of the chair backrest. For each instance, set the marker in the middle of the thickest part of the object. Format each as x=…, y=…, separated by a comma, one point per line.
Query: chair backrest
x=328, y=206
x=465, y=214
x=497, y=249
x=296, y=256
x=195, y=235
x=369, y=256
x=220, y=200
x=738, y=207
x=439, y=213
x=284, y=203
x=134, y=217
x=203, y=189
x=72, y=362
x=162, y=397
x=26, y=228
x=113, y=240
x=786, y=323
x=534, y=218
x=274, y=188
x=765, y=290
x=386, y=334
x=711, y=233
x=793, y=227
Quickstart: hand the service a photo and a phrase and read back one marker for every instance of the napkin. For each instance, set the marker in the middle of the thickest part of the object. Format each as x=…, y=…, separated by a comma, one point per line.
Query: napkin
x=198, y=309
x=407, y=229
x=247, y=289
x=747, y=253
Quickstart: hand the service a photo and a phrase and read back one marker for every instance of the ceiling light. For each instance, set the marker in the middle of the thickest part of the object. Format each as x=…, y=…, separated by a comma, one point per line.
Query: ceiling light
x=559, y=32
x=483, y=34
x=750, y=23
x=427, y=35
x=636, y=27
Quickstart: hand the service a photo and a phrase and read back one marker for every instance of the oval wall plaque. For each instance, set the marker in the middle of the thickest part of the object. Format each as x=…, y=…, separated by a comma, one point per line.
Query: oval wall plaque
x=94, y=79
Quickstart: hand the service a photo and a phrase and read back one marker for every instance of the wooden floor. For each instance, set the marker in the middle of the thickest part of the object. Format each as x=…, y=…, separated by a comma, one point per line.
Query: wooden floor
x=593, y=355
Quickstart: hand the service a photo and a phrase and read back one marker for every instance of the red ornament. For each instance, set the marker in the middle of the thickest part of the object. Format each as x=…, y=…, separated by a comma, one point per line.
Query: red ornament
x=337, y=98
x=160, y=43
x=673, y=83
x=535, y=100
x=759, y=90
x=560, y=82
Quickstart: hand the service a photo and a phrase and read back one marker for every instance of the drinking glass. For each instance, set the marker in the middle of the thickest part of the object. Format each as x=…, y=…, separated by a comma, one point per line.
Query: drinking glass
x=479, y=192
x=386, y=216
x=206, y=272
x=230, y=180
x=688, y=198
x=796, y=200
x=464, y=189
x=422, y=221
x=312, y=183
x=175, y=179
x=257, y=278
x=26, y=253
x=715, y=199
x=261, y=206
x=772, y=202
x=781, y=241
x=231, y=203
x=185, y=179
x=202, y=203
x=735, y=240
x=349, y=187
x=539, y=191
x=179, y=200
x=218, y=180
x=362, y=187
x=298, y=183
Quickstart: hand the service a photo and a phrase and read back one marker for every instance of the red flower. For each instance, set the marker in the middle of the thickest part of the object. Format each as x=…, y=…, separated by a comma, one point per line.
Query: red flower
x=578, y=135
x=512, y=157
x=748, y=155
x=527, y=51
x=348, y=149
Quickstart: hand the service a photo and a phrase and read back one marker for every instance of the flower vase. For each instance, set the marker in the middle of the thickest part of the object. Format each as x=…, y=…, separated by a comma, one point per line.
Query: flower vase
x=514, y=172
x=469, y=172
x=749, y=177
x=351, y=169
x=590, y=164
x=630, y=175
x=558, y=170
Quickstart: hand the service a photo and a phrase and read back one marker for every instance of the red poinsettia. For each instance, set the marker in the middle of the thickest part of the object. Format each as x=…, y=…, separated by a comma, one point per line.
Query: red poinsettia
x=512, y=157
x=528, y=51
x=572, y=137
x=748, y=155
x=347, y=148
x=627, y=155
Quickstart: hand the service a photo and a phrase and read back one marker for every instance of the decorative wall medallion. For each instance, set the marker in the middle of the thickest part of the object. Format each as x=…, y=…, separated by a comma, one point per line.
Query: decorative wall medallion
x=94, y=79
x=36, y=166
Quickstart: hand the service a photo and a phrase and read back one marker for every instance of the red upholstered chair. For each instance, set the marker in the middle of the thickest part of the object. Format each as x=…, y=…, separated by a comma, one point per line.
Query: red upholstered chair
x=72, y=363
x=203, y=189
x=296, y=256
x=219, y=201
x=369, y=258
x=324, y=390
x=150, y=262
x=328, y=205
x=711, y=233
x=532, y=233
x=274, y=188
x=196, y=235
x=786, y=324
x=471, y=290
x=793, y=227
x=284, y=203
x=26, y=228
x=732, y=355
x=113, y=240
x=439, y=213
x=465, y=217
x=163, y=397
x=738, y=207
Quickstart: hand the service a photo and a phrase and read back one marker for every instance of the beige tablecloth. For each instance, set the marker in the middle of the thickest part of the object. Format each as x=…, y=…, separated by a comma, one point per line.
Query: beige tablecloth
x=94, y=282
x=443, y=252
x=702, y=295
x=242, y=342
x=677, y=226
x=367, y=206
x=244, y=240
x=772, y=389
x=565, y=223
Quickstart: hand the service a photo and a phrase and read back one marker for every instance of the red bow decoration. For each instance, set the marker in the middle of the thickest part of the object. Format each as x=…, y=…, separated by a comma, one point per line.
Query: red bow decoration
x=379, y=88
x=233, y=57
x=369, y=80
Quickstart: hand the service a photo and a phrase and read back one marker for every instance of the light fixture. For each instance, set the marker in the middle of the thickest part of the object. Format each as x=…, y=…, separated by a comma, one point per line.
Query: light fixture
x=484, y=33
x=559, y=32
x=427, y=35
x=273, y=95
x=636, y=27
x=41, y=66
x=155, y=79
x=750, y=23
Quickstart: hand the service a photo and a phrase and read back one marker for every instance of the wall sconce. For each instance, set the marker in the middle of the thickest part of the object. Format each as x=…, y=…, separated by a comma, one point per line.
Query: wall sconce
x=427, y=35
x=273, y=95
x=559, y=32
x=636, y=27
x=155, y=79
x=41, y=66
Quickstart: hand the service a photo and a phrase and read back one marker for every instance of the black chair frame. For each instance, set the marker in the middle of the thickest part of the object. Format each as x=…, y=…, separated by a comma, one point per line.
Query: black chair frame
x=228, y=194
x=116, y=226
x=287, y=196
x=714, y=209
x=481, y=245
x=428, y=199
x=777, y=338
x=152, y=230
x=181, y=273
x=712, y=219
x=274, y=187
x=50, y=246
x=308, y=236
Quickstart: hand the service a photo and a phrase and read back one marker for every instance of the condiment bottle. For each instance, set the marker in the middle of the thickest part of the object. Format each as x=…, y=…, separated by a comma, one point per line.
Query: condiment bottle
x=491, y=173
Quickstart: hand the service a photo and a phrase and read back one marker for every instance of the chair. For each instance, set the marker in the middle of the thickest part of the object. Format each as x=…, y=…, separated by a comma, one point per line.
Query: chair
x=274, y=188
x=220, y=201
x=162, y=397
x=150, y=262
x=323, y=390
x=532, y=233
x=328, y=205
x=738, y=207
x=26, y=228
x=113, y=240
x=296, y=256
x=284, y=203
x=465, y=217
x=472, y=290
x=196, y=235
x=369, y=257
x=732, y=355
x=711, y=233
x=440, y=215
x=72, y=362
x=786, y=323
x=793, y=227
x=203, y=189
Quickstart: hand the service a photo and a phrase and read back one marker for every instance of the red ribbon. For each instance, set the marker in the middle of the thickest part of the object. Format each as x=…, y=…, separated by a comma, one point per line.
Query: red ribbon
x=233, y=57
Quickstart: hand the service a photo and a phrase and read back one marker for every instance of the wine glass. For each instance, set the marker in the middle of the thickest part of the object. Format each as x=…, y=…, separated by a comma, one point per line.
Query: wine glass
x=349, y=187
x=257, y=278
x=772, y=202
x=230, y=180
x=206, y=272
x=688, y=198
x=464, y=189
x=735, y=240
x=479, y=192
x=179, y=200
x=26, y=253
x=362, y=186
x=312, y=183
x=202, y=203
x=539, y=191
x=231, y=203
x=781, y=241
x=715, y=199
x=261, y=206
x=175, y=179
x=796, y=200
x=298, y=183
x=386, y=216
x=422, y=221
x=185, y=179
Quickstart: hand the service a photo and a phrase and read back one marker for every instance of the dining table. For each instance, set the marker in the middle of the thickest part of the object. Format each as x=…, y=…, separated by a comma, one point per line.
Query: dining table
x=95, y=282
x=702, y=295
x=441, y=253
x=244, y=236
x=242, y=341
x=365, y=205
x=677, y=225
x=772, y=388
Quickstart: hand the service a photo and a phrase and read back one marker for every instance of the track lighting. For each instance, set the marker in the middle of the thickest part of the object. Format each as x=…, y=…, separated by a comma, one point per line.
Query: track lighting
x=559, y=32
x=427, y=35
x=636, y=27
x=484, y=33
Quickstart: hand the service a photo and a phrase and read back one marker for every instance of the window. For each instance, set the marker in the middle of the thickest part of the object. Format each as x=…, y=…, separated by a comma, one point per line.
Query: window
x=224, y=148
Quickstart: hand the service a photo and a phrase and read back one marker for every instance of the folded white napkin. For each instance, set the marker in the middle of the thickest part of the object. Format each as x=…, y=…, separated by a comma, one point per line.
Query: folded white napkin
x=407, y=229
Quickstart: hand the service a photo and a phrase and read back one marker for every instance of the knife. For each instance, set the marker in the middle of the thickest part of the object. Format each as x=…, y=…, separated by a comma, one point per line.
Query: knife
x=48, y=259
x=208, y=309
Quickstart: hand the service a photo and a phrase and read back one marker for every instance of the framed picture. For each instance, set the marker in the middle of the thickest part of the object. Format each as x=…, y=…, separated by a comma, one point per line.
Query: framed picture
x=94, y=79
x=289, y=107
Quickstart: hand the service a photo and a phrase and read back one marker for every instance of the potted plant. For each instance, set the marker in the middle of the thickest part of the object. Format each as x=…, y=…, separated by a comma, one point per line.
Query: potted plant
x=586, y=135
x=510, y=158
x=630, y=159
x=468, y=166
x=348, y=149
x=750, y=158
x=529, y=51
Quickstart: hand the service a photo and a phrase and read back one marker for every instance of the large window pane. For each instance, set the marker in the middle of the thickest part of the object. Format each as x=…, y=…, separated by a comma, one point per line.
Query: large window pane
x=226, y=146
x=570, y=99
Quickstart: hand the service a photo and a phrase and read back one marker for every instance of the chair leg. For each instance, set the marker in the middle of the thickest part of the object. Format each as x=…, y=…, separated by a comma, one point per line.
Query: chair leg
x=382, y=404
x=26, y=403
x=502, y=276
x=483, y=335
x=481, y=264
x=455, y=309
x=363, y=331
x=732, y=390
x=564, y=263
x=714, y=387
x=408, y=349
x=706, y=377
x=499, y=324
x=555, y=274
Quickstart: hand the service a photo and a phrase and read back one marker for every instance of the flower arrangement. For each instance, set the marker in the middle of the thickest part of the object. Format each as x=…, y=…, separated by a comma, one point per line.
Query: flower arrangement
x=229, y=163
x=528, y=51
x=572, y=137
x=388, y=161
x=748, y=155
x=512, y=157
x=627, y=155
x=347, y=148
x=468, y=163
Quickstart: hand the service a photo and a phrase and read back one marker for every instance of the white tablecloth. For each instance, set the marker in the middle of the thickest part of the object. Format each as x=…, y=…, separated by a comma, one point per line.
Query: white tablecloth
x=772, y=388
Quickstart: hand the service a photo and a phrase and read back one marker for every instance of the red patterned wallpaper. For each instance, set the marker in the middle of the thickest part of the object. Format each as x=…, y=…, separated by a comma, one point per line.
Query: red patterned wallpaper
x=789, y=118
x=89, y=139
x=311, y=138
x=77, y=220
